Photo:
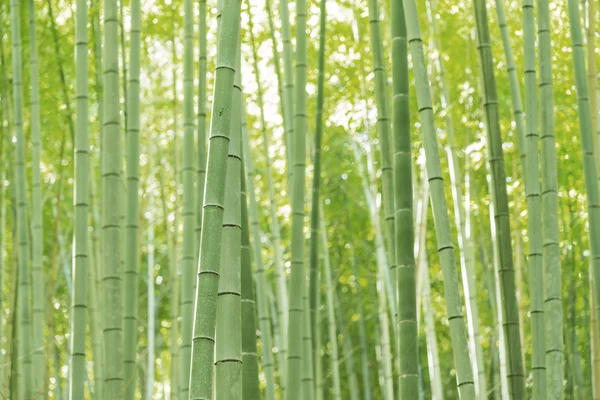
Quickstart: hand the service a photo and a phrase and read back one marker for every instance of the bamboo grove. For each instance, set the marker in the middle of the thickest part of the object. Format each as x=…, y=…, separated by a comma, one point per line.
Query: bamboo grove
x=299, y=200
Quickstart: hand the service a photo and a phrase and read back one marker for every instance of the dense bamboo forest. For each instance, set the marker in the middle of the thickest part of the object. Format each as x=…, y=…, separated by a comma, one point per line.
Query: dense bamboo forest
x=299, y=200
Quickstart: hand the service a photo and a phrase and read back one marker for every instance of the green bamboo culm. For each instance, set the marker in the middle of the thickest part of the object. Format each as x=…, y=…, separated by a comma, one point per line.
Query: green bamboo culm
x=458, y=334
x=250, y=380
x=111, y=209
x=228, y=333
x=298, y=276
x=589, y=166
x=261, y=284
x=289, y=104
x=506, y=274
x=188, y=214
x=132, y=222
x=5, y=134
x=515, y=89
x=385, y=135
x=316, y=186
x=203, y=339
x=77, y=371
x=534, y=211
x=550, y=234
x=37, y=239
x=201, y=128
x=283, y=299
x=406, y=284
x=24, y=366
x=96, y=270
x=331, y=320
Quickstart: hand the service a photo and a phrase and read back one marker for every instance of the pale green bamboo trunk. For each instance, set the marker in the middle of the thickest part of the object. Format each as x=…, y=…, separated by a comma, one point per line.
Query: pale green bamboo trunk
x=589, y=168
x=3, y=329
x=250, y=383
x=261, y=283
x=174, y=267
x=465, y=253
x=173, y=283
x=111, y=209
x=149, y=389
x=319, y=378
x=384, y=134
x=203, y=349
x=24, y=366
x=201, y=139
x=290, y=106
x=96, y=283
x=187, y=213
x=283, y=298
x=130, y=323
x=509, y=312
x=228, y=333
x=515, y=89
x=38, y=359
x=308, y=387
x=330, y=307
x=77, y=371
x=364, y=355
x=348, y=357
x=458, y=335
x=4, y=133
x=534, y=212
x=298, y=277
x=314, y=292
x=550, y=233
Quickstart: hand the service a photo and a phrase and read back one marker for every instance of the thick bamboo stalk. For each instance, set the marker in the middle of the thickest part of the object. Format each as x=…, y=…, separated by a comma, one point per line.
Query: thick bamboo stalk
x=77, y=372
x=37, y=239
x=589, y=166
x=462, y=363
x=298, y=277
x=506, y=280
x=404, y=237
x=550, y=233
x=460, y=209
x=188, y=213
x=111, y=208
x=24, y=366
x=203, y=339
x=228, y=332
x=385, y=135
x=534, y=212
x=130, y=323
